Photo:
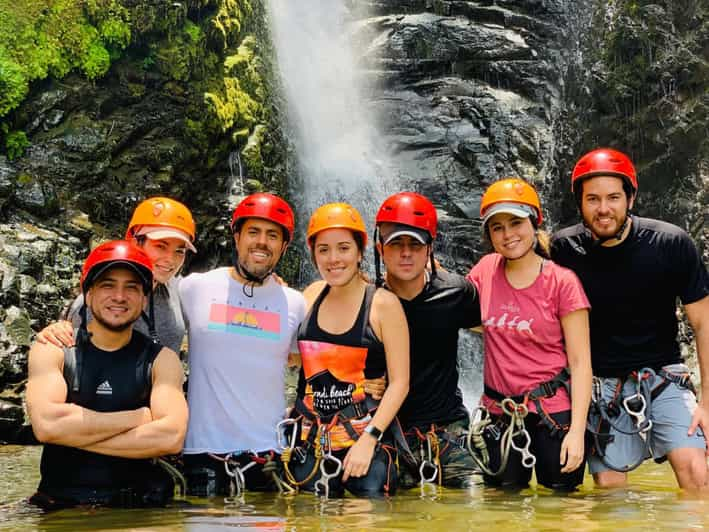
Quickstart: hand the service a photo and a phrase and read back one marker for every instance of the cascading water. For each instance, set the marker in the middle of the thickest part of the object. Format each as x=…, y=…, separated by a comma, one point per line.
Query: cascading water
x=340, y=154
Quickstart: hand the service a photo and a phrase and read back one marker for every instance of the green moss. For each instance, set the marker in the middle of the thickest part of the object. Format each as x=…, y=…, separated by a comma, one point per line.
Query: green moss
x=179, y=56
x=193, y=31
x=24, y=179
x=41, y=38
x=15, y=144
x=252, y=151
x=53, y=37
x=13, y=83
x=96, y=61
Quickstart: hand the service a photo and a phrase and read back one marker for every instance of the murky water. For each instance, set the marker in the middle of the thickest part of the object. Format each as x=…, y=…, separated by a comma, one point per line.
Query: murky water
x=651, y=502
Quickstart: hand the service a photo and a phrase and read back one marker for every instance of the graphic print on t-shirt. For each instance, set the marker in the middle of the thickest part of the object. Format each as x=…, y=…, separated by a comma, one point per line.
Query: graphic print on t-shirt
x=335, y=379
x=510, y=320
x=243, y=321
x=334, y=375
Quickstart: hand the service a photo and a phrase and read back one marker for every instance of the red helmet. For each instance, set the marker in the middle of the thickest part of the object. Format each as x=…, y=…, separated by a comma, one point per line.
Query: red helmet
x=267, y=207
x=114, y=253
x=605, y=161
x=409, y=208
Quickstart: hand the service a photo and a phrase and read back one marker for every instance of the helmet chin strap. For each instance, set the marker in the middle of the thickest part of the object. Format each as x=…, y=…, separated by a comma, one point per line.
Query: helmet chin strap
x=251, y=279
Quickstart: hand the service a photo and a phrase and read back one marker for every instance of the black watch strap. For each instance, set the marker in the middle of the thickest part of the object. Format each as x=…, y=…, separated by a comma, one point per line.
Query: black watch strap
x=374, y=431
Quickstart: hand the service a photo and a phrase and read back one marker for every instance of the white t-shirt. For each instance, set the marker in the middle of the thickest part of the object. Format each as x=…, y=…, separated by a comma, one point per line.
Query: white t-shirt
x=238, y=350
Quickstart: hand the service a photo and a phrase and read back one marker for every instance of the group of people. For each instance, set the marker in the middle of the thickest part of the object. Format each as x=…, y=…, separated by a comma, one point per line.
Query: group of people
x=581, y=357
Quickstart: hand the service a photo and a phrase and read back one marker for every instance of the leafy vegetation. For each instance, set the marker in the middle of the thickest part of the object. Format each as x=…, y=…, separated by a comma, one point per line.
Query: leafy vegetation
x=40, y=38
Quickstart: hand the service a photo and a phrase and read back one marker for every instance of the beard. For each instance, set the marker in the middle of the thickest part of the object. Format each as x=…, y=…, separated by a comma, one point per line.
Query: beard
x=606, y=232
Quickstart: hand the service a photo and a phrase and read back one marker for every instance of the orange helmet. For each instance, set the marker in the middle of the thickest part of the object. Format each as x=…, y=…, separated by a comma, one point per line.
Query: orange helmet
x=511, y=195
x=336, y=215
x=162, y=212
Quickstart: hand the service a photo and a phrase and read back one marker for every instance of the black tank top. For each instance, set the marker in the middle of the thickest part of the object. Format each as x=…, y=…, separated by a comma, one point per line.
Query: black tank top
x=334, y=365
x=105, y=382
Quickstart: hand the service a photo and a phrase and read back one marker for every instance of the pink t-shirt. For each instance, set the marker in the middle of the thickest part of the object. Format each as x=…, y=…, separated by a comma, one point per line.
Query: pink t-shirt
x=524, y=341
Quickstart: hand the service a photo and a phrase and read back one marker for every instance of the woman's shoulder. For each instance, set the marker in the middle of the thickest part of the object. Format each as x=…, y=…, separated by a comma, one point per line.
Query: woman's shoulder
x=487, y=264
x=312, y=291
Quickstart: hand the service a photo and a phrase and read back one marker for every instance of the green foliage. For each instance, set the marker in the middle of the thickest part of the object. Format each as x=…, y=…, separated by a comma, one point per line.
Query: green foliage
x=193, y=31
x=15, y=143
x=96, y=60
x=39, y=38
x=180, y=55
x=13, y=83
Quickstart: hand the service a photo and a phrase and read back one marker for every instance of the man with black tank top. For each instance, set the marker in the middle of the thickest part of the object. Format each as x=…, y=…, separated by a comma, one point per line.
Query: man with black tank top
x=633, y=270
x=437, y=305
x=106, y=406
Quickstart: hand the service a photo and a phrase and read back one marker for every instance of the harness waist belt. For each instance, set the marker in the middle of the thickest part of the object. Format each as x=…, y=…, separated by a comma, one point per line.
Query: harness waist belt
x=545, y=390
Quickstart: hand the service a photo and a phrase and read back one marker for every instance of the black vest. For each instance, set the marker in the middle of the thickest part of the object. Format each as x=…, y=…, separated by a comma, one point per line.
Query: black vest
x=105, y=382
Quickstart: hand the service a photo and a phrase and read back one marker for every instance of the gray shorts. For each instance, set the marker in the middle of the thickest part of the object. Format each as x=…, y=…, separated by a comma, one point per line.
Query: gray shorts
x=670, y=412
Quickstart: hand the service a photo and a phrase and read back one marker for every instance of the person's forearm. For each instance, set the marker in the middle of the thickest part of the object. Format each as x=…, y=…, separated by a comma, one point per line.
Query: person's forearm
x=581, y=384
x=74, y=426
x=157, y=438
x=391, y=401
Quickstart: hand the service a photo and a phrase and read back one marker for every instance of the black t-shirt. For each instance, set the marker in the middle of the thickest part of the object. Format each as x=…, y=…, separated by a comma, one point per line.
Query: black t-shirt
x=633, y=289
x=447, y=303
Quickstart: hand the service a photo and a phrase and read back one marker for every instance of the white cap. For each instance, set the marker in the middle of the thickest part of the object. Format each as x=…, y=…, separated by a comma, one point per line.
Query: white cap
x=158, y=232
x=520, y=210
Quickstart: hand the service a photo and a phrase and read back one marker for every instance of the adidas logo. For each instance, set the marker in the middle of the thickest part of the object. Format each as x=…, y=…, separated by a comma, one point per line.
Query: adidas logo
x=104, y=388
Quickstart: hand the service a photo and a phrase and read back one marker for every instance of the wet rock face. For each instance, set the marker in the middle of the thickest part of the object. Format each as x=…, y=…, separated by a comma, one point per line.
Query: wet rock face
x=466, y=93
x=171, y=117
x=38, y=274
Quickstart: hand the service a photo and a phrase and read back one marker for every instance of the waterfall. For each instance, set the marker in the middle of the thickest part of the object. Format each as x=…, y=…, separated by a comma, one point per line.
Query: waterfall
x=340, y=154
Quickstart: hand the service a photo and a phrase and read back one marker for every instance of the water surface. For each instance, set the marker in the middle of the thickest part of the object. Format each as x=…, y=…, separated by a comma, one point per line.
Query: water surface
x=651, y=502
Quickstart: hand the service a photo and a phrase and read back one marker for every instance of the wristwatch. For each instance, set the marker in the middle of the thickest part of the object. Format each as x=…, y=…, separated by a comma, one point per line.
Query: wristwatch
x=374, y=432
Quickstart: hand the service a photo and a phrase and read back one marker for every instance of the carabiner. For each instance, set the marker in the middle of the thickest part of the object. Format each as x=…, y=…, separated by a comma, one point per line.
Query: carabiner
x=528, y=459
x=280, y=434
x=422, y=469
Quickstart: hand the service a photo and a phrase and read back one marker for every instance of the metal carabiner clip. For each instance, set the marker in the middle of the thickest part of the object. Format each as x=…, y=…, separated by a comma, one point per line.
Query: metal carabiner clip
x=422, y=472
x=280, y=434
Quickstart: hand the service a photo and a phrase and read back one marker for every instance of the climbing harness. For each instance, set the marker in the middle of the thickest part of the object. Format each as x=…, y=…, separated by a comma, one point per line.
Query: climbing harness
x=235, y=471
x=638, y=405
x=429, y=469
x=509, y=439
x=515, y=436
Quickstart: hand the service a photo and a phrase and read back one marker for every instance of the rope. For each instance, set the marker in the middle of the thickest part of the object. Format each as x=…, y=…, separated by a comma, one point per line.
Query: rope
x=177, y=477
x=517, y=412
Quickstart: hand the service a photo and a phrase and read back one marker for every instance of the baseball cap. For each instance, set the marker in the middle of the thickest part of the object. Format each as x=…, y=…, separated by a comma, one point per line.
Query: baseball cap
x=156, y=232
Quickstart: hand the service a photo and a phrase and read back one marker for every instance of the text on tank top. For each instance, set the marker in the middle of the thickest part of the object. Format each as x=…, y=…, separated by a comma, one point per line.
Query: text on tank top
x=335, y=366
